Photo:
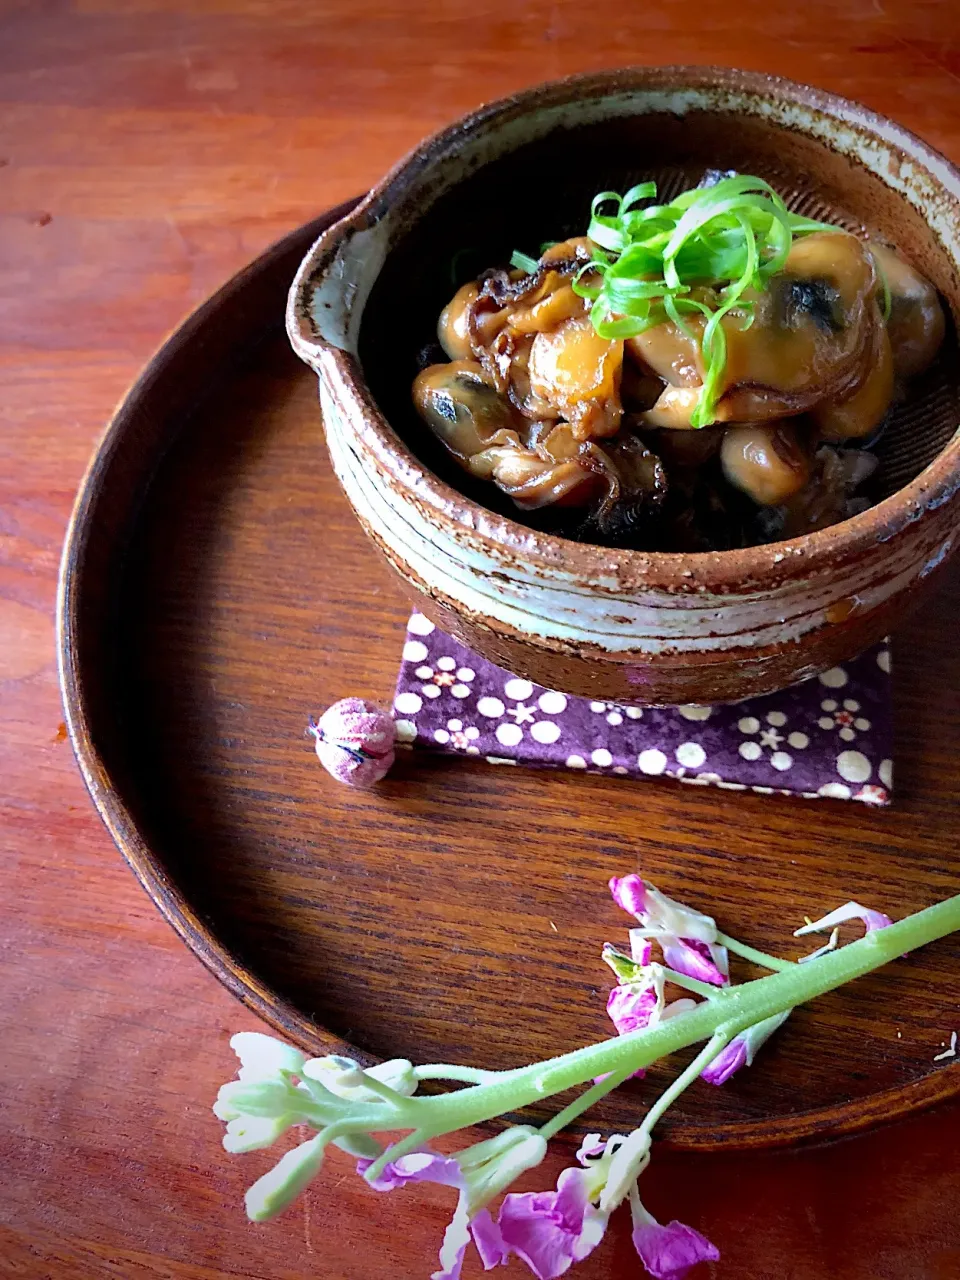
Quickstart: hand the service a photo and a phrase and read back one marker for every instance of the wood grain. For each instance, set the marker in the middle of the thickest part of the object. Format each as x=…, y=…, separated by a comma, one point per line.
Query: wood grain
x=152, y=150
x=215, y=588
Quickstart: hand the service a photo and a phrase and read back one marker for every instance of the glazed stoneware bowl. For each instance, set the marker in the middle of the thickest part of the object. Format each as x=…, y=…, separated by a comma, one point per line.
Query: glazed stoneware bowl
x=626, y=625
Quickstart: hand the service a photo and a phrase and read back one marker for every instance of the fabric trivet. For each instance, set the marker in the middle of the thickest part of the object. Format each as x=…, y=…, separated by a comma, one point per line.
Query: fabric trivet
x=830, y=736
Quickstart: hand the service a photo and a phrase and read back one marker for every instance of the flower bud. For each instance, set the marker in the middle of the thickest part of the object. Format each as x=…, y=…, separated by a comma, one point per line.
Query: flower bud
x=355, y=741
x=272, y=1193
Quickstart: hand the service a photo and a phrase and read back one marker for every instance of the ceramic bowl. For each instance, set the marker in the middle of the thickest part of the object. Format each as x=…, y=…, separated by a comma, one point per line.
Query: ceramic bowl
x=625, y=625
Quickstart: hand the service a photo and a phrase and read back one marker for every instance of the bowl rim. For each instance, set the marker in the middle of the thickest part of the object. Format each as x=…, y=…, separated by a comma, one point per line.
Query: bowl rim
x=769, y=564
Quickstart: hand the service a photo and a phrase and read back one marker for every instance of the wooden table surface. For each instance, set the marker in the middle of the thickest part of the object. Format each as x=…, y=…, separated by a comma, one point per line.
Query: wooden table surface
x=148, y=149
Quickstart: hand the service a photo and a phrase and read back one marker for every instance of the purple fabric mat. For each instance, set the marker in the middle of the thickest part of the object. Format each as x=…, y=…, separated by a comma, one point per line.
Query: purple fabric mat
x=830, y=736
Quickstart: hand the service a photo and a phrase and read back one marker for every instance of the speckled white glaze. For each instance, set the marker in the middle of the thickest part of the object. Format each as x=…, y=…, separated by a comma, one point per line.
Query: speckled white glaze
x=679, y=628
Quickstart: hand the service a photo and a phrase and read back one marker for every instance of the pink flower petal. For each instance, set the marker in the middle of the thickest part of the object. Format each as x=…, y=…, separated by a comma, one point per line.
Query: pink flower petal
x=872, y=920
x=875, y=920
x=532, y=1231
x=692, y=958
x=419, y=1166
x=728, y=1061
x=489, y=1240
x=427, y=1166
x=592, y=1145
x=629, y=893
x=669, y=1252
x=742, y=1049
x=455, y=1241
x=550, y=1230
x=630, y=1008
x=641, y=949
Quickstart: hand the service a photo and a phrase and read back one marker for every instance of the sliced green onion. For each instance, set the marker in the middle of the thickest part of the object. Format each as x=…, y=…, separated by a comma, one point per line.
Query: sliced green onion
x=884, y=285
x=724, y=241
x=522, y=262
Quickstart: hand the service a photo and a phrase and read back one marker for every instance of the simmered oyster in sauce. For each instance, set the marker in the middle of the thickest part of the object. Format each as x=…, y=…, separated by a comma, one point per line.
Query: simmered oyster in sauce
x=607, y=430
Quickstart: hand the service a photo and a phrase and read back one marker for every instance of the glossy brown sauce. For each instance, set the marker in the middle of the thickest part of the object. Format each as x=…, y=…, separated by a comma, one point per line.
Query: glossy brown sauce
x=535, y=402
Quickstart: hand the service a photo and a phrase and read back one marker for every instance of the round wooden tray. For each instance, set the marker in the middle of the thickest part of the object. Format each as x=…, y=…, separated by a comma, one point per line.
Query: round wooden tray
x=216, y=591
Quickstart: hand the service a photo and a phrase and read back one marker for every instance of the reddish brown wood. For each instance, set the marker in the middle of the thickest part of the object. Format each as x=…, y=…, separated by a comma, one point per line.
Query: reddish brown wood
x=198, y=623
x=168, y=146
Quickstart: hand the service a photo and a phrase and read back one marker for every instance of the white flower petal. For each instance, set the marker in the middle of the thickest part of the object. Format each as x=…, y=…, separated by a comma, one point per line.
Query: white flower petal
x=263, y=1056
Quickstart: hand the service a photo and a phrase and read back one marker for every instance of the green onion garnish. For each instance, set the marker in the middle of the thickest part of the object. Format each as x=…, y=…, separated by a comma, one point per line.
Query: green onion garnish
x=523, y=262
x=884, y=285
x=727, y=239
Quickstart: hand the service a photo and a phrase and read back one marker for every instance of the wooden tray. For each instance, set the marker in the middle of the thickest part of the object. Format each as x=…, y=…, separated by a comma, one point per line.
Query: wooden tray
x=216, y=591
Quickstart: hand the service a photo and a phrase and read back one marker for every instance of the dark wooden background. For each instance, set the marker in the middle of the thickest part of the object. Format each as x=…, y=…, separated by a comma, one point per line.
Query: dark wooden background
x=147, y=150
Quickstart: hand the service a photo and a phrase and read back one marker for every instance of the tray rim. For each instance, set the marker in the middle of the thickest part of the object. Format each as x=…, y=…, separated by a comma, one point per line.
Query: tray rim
x=282, y=1016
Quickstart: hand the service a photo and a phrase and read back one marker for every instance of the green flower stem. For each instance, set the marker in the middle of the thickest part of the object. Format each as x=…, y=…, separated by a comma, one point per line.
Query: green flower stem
x=734, y=1009
x=390, y=1096
x=633, y=1154
x=412, y=1142
x=720, y=1038
x=581, y=1104
x=753, y=955
x=706, y=989
x=447, y=1071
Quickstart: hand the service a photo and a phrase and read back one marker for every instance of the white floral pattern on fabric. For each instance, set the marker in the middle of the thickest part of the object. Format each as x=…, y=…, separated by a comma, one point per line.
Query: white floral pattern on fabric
x=830, y=737
x=438, y=677
x=461, y=737
x=616, y=712
x=420, y=626
x=843, y=718
x=873, y=795
x=835, y=678
x=771, y=739
x=853, y=766
x=527, y=715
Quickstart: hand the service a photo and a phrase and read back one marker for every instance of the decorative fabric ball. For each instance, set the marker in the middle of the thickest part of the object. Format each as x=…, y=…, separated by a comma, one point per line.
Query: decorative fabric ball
x=355, y=741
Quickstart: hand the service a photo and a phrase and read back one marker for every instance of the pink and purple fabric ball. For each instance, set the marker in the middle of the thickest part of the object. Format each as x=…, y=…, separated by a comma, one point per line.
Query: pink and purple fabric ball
x=355, y=741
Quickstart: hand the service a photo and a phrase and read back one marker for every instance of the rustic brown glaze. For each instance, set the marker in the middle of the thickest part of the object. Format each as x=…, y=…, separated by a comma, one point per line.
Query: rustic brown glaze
x=646, y=627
